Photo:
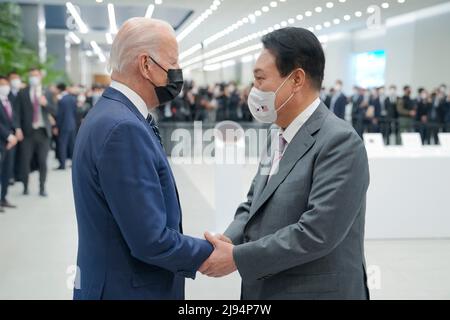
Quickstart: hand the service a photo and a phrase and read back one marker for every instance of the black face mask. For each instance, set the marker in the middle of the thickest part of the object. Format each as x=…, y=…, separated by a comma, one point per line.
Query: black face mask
x=174, y=85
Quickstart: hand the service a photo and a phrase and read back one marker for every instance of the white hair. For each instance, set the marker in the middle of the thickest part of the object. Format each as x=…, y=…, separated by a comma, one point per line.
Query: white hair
x=137, y=36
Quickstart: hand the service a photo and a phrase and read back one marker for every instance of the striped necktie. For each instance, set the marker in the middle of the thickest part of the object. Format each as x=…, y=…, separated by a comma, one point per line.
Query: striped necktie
x=151, y=121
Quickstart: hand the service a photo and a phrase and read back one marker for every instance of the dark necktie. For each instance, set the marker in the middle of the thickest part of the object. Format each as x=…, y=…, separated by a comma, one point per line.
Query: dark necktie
x=151, y=121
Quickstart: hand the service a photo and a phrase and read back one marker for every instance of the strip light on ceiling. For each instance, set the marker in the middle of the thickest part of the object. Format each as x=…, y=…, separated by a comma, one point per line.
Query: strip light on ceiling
x=150, y=10
x=197, y=22
x=82, y=27
x=98, y=51
x=244, y=39
x=112, y=19
x=194, y=63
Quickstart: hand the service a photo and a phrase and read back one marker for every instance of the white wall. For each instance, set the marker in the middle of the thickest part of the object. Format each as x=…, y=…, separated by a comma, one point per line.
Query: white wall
x=417, y=49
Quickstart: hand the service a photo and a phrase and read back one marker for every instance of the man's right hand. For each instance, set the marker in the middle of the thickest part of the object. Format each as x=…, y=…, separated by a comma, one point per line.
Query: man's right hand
x=19, y=134
x=12, y=141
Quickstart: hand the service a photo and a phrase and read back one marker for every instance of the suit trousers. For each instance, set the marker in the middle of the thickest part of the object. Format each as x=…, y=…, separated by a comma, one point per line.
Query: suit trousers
x=66, y=143
x=7, y=170
x=36, y=143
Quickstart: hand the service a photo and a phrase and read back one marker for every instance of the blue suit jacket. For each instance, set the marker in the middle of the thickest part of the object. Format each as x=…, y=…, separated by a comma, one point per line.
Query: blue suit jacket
x=66, y=117
x=129, y=219
x=339, y=106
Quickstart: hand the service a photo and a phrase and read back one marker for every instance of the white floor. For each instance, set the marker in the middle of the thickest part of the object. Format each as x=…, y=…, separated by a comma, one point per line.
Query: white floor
x=38, y=249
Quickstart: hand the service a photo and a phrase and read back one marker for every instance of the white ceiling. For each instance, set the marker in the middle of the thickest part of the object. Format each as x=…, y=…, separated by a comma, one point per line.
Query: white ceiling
x=231, y=11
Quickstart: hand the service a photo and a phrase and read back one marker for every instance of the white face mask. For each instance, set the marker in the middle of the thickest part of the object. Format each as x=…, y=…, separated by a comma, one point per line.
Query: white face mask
x=262, y=104
x=4, y=91
x=16, y=84
x=35, y=81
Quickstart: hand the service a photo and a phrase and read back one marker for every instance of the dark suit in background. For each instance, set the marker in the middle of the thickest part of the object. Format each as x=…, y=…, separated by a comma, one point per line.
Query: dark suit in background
x=36, y=137
x=423, y=111
x=358, y=113
x=16, y=166
x=391, y=123
x=66, y=121
x=8, y=123
x=337, y=105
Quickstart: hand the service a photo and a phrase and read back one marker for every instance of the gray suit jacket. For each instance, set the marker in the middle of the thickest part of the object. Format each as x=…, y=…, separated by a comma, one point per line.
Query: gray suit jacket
x=301, y=235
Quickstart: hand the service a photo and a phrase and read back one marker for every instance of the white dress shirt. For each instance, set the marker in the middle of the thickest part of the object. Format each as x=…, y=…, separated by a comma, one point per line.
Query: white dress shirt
x=136, y=99
x=290, y=132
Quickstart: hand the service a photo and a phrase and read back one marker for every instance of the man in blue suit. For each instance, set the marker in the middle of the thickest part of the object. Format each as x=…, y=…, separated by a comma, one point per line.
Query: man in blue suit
x=66, y=123
x=338, y=101
x=131, y=244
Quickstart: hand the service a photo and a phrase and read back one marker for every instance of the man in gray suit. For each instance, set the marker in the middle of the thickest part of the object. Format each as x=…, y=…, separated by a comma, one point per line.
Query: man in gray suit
x=300, y=234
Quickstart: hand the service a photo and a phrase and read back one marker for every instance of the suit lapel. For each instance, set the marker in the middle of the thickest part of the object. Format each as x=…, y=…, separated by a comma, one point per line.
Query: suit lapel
x=299, y=146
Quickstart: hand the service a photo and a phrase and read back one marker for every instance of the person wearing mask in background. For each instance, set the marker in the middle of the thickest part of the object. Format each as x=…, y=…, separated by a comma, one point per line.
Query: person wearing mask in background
x=338, y=101
x=437, y=115
x=323, y=94
x=223, y=102
x=8, y=140
x=373, y=114
x=358, y=110
x=34, y=127
x=328, y=98
x=300, y=234
x=407, y=111
x=381, y=114
x=16, y=85
x=82, y=106
x=392, y=126
x=66, y=125
x=234, y=102
x=423, y=110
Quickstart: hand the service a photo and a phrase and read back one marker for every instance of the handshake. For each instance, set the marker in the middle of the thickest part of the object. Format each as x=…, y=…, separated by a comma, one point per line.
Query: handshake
x=221, y=262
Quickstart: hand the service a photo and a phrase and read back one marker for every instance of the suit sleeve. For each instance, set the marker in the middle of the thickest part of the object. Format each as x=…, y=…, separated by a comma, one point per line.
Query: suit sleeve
x=338, y=191
x=130, y=183
x=5, y=131
x=60, y=114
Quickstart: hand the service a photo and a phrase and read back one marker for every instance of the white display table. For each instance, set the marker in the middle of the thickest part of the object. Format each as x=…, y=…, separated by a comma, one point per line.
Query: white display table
x=409, y=194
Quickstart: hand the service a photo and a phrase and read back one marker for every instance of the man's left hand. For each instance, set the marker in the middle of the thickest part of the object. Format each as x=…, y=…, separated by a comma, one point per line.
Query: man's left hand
x=221, y=262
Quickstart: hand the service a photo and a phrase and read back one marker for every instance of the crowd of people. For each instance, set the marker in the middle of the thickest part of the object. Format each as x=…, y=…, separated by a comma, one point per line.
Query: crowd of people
x=35, y=119
x=374, y=110
x=384, y=110
x=213, y=103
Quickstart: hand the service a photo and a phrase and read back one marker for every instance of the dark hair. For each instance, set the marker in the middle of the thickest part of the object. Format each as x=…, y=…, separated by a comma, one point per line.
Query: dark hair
x=297, y=48
x=34, y=69
x=2, y=77
x=61, y=86
x=406, y=88
x=13, y=73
